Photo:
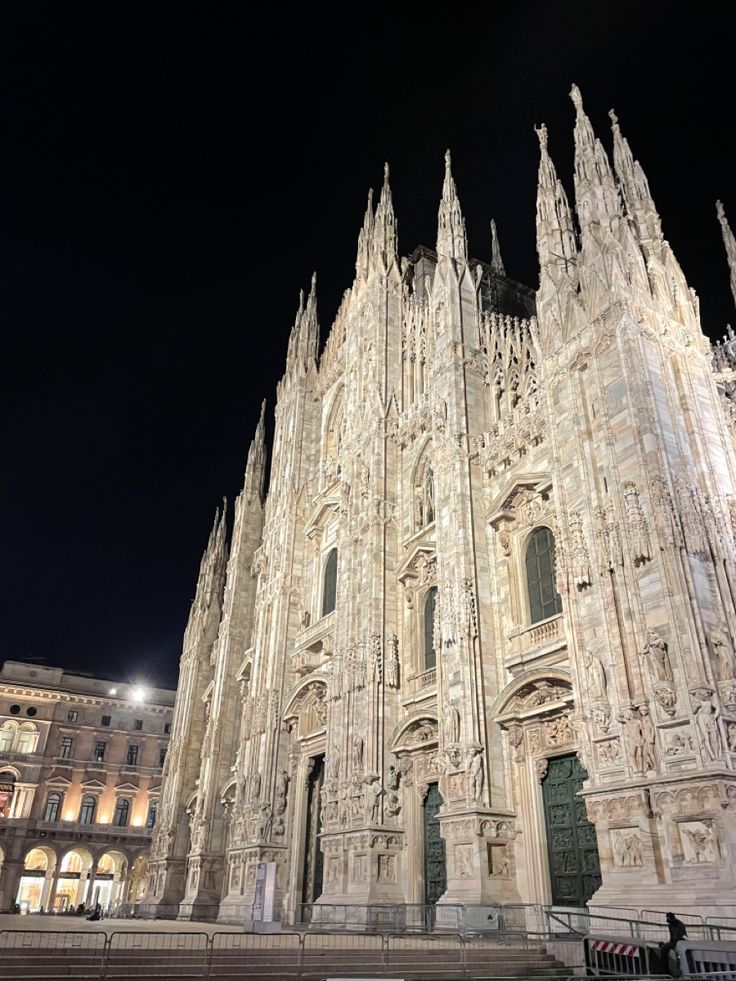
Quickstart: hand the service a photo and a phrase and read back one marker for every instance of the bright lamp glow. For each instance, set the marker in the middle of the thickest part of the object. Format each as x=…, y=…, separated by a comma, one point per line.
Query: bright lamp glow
x=139, y=694
x=113, y=691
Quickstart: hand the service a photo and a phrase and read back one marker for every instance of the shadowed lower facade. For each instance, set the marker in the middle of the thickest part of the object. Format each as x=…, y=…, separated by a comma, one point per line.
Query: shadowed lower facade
x=476, y=643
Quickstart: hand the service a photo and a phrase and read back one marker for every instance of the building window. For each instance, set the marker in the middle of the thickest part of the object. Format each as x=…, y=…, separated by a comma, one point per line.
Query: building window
x=544, y=600
x=430, y=605
x=7, y=789
x=99, y=753
x=72, y=715
x=122, y=809
x=138, y=724
x=152, y=810
x=132, y=757
x=31, y=711
x=87, y=811
x=27, y=738
x=65, y=750
x=106, y=720
x=53, y=807
x=162, y=756
x=14, y=709
x=167, y=728
x=7, y=736
x=329, y=588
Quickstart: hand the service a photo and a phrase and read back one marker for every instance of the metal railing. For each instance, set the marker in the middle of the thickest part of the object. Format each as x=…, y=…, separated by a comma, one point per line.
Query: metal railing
x=97, y=955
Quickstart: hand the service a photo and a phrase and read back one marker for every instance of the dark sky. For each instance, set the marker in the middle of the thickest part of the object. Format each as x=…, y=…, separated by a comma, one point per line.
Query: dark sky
x=171, y=174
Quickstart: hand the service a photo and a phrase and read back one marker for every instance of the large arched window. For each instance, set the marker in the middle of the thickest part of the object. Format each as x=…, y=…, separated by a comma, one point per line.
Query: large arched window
x=544, y=600
x=430, y=605
x=329, y=587
x=27, y=738
x=152, y=812
x=7, y=736
x=122, y=810
x=53, y=807
x=87, y=810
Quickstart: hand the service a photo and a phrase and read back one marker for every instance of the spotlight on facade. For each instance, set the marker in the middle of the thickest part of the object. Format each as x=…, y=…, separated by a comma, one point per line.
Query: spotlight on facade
x=139, y=694
x=113, y=691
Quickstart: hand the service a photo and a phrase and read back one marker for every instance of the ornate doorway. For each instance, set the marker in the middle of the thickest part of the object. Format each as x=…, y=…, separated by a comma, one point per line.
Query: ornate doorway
x=313, y=858
x=435, y=861
x=574, y=865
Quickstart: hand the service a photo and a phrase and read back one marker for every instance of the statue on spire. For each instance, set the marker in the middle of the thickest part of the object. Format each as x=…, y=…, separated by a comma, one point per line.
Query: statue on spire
x=730, y=243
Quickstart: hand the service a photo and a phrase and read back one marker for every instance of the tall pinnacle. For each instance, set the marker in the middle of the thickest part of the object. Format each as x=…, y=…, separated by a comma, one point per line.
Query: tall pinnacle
x=496, y=260
x=555, y=231
x=451, y=239
x=635, y=188
x=364, y=240
x=730, y=242
x=256, y=466
x=304, y=338
x=384, y=224
x=596, y=196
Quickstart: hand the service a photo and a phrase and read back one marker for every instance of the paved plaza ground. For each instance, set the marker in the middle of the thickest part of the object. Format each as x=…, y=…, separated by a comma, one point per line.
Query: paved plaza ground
x=76, y=924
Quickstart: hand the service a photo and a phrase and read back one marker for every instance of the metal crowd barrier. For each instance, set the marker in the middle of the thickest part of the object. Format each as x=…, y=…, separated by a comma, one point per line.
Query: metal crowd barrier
x=124, y=954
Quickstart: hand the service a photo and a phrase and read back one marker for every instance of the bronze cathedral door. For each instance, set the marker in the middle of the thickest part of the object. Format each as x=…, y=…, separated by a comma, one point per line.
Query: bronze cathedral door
x=313, y=858
x=435, y=864
x=575, y=870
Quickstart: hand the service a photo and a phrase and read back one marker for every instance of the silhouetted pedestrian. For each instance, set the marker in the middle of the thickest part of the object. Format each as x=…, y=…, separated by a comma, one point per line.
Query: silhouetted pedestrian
x=678, y=932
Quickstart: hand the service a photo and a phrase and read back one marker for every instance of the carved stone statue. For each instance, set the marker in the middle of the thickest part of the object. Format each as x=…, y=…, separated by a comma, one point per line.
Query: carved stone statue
x=656, y=654
x=265, y=821
x=393, y=778
x=634, y=739
x=451, y=722
x=357, y=753
x=392, y=662
x=723, y=654
x=255, y=787
x=595, y=677
x=476, y=776
x=649, y=761
x=707, y=715
x=374, y=791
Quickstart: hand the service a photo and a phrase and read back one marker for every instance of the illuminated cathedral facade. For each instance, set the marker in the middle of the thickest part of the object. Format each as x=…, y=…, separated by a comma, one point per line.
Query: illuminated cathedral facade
x=476, y=643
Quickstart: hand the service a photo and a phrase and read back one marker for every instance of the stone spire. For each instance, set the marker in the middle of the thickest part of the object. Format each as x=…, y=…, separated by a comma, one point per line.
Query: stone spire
x=212, y=566
x=730, y=242
x=451, y=239
x=596, y=198
x=556, y=244
x=304, y=338
x=496, y=260
x=635, y=189
x=255, y=469
x=365, y=238
x=384, y=225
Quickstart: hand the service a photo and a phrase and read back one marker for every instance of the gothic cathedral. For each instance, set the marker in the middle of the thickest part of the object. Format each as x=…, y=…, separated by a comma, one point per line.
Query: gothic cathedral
x=476, y=644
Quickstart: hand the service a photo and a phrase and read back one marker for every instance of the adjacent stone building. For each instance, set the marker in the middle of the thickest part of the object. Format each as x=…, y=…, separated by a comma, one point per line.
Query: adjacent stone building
x=80, y=777
x=476, y=644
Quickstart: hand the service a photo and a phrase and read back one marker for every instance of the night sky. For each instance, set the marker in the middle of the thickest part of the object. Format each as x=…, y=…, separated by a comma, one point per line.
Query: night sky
x=170, y=175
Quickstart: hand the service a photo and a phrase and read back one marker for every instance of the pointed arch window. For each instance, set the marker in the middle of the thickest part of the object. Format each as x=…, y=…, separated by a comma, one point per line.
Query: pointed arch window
x=544, y=600
x=53, y=807
x=329, y=585
x=87, y=810
x=122, y=811
x=430, y=607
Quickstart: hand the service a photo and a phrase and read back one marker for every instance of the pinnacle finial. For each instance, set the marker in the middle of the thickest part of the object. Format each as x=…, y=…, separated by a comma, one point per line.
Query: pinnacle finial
x=448, y=161
x=576, y=97
x=721, y=212
x=496, y=260
x=541, y=132
x=385, y=174
x=613, y=117
x=314, y=281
